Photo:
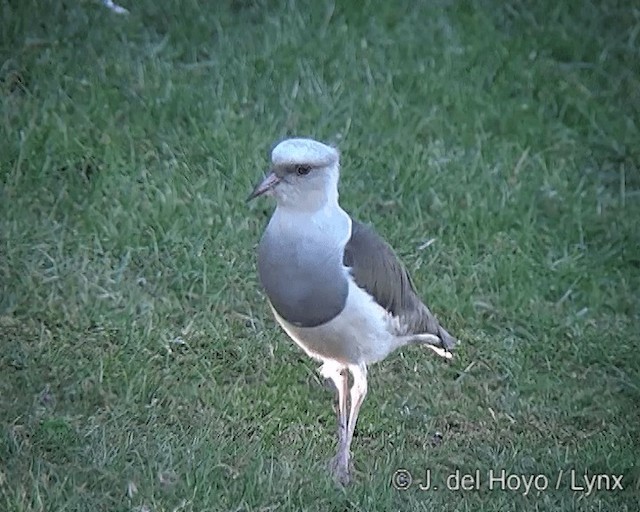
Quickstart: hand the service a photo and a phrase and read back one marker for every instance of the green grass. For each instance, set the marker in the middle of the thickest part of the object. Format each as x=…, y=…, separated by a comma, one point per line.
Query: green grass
x=140, y=368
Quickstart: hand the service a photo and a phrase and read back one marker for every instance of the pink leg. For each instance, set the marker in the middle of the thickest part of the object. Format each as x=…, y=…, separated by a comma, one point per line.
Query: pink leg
x=340, y=463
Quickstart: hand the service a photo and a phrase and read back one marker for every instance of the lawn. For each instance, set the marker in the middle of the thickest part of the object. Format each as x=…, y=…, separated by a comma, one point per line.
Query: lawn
x=140, y=367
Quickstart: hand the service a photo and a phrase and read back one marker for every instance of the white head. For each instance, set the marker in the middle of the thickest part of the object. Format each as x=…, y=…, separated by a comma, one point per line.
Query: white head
x=304, y=174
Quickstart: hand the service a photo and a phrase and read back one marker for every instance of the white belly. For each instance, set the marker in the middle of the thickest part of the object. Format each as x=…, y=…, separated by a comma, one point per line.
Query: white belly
x=364, y=332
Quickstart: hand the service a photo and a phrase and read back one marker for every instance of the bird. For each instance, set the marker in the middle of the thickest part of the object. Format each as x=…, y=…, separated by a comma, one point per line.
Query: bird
x=334, y=285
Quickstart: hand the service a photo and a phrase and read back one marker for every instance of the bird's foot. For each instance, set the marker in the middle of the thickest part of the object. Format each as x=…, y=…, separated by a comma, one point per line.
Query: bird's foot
x=340, y=468
x=109, y=4
x=441, y=351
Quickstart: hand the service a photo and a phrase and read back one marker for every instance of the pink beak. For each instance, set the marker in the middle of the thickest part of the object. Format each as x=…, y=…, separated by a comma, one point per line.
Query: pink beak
x=267, y=184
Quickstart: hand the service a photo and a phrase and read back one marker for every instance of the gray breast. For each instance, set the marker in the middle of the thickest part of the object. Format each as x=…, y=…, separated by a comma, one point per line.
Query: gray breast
x=307, y=286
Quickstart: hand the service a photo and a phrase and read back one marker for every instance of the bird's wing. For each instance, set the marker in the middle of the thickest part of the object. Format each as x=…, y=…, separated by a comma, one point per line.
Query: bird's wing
x=376, y=268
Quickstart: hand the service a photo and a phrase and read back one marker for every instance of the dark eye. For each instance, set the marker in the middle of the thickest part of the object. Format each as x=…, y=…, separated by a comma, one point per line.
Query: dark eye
x=302, y=170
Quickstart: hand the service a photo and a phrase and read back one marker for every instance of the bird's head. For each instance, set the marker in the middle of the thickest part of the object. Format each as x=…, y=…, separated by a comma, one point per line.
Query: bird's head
x=304, y=174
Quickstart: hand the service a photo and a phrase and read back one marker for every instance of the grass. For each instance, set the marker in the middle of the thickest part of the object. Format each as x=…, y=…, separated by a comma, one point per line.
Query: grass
x=140, y=368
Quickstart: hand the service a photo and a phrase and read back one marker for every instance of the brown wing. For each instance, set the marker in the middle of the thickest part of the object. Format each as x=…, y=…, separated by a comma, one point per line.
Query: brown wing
x=376, y=268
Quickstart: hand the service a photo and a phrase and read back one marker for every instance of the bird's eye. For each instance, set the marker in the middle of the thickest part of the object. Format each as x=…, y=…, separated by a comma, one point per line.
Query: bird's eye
x=302, y=170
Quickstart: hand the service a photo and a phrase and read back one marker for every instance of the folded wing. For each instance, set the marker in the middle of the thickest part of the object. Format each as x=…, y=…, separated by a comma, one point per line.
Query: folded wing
x=376, y=268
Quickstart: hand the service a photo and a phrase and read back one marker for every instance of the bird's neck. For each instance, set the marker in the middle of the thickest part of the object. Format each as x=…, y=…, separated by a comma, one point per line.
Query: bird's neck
x=311, y=204
x=327, y=224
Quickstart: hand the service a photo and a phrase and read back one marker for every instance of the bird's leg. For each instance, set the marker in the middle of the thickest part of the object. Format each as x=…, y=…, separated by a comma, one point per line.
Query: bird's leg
x=340, y=463
x=343, y=392
x=358, y=392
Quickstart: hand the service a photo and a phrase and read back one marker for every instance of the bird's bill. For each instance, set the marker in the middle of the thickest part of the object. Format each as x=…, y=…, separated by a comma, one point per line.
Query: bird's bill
x=267, y=184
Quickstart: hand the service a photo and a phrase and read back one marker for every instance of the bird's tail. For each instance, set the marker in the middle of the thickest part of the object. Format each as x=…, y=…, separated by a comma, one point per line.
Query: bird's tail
x=448, y=342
